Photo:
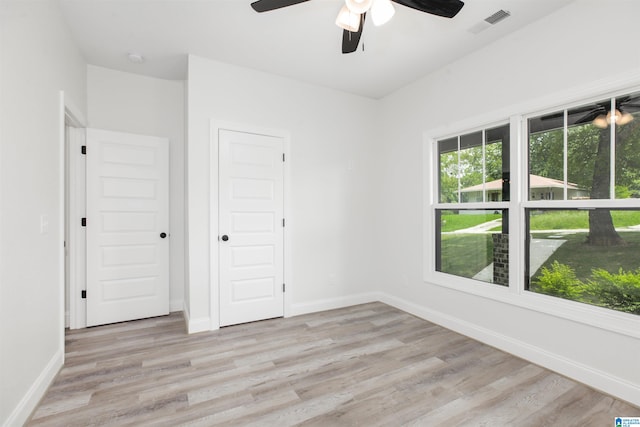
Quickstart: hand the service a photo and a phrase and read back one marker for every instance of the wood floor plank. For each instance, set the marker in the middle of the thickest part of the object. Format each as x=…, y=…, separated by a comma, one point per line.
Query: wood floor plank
x=369, y=364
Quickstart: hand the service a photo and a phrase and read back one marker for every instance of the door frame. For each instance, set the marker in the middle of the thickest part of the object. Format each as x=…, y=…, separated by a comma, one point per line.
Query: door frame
x=72, y=116
x=214, y=260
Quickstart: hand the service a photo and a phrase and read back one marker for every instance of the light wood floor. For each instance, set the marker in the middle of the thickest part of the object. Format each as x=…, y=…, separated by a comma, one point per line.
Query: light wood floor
x=368, y=365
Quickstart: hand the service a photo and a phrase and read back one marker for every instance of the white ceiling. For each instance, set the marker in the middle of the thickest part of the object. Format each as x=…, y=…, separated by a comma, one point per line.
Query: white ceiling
x=300, y=42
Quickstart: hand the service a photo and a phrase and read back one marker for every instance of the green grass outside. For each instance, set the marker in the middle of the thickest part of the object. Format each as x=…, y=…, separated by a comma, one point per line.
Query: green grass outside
x=570, y=220
x=453, y=222
x=469, y=255
x=583, y=258
x=466, y=254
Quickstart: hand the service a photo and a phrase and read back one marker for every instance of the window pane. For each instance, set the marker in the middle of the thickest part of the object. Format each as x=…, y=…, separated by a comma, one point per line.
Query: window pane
x=497, y=164
x=588, y=153
x=589, y=256
x=474, y=167
x=448, y=165
x=471, y=167
x=471, y=243
x=628, y=147
x=546, y=157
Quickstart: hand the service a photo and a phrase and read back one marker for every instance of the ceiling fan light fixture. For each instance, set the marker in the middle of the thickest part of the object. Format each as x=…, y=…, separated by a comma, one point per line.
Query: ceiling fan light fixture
x=381, y=12
x=358, y=6
x=624, y=118
x=348, y=20
x=613, y=118
x=601, y=122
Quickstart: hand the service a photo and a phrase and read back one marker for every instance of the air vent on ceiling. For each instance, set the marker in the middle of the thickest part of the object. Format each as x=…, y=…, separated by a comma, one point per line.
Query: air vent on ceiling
x=489, y=21
x=497, y=17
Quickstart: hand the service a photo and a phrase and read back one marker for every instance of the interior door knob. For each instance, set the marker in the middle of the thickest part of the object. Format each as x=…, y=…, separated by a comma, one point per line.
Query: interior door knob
x=163, y=235
x=225, y=238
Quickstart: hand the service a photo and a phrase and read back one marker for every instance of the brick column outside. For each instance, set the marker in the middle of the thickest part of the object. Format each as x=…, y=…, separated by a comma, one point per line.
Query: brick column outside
x=501, y=259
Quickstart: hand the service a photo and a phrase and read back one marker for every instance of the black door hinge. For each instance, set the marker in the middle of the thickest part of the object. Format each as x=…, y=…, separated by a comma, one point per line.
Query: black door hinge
x=283, y=222
x=83, y=150
x=283, y=287
x=83, y=294
x=83, y=222
x=283, y=157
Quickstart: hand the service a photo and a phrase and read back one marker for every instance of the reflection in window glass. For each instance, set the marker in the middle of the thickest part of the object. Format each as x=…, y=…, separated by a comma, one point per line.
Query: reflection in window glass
x=448, y=170
x=474, y=167
x=587, y=157
x=627, y=146
x=471, y=167
x=546, y=164
x=590, y=256
x=588, y=154
x=473, y=244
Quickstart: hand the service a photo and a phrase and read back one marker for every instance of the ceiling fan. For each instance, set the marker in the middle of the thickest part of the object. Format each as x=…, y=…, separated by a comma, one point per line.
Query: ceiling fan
x=600, y=114
x=352, y=15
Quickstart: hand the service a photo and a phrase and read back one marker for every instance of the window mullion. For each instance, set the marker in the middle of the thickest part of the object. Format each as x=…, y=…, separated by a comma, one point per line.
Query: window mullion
x=484, y=167
x=565, y=155
x=459, y=175
x=612, y=150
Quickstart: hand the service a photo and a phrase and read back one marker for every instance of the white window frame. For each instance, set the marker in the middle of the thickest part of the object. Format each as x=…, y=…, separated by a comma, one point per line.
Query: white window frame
x=515, y=294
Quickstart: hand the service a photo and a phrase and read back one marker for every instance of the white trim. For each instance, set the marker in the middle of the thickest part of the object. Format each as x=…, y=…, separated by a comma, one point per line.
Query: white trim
x=516, y=249
x=60, y=250
x=73, y=114
x=77, y=245
x=195, y=325
x=215, y=127
x=609, y=320
x=23, y=410
x=70, y=115
x=333, y=303
x=592, y=377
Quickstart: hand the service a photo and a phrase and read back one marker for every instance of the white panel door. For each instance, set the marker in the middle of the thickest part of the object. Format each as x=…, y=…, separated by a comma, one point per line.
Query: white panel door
x=251, y=241
x=127, y=227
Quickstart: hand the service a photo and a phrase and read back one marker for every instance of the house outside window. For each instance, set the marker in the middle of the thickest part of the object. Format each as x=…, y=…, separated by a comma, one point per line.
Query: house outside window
x=472, y=230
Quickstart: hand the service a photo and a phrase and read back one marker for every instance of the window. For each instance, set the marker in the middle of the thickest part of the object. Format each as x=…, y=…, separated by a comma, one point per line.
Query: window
x=586, y=247
x=562, y=262
x=474, y=167
x=586, y=152
x=472, y=241
x=575, y=219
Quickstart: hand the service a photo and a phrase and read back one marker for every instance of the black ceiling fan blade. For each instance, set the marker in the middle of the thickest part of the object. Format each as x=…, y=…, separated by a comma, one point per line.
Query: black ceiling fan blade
x=585, y=109
x=589, y=117
x=444, y=8
x=267, y=5
x=351, y=40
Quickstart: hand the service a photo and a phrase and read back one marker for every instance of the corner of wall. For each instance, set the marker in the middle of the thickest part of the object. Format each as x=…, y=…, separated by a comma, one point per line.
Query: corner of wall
x=30, y=400
x=194, y=326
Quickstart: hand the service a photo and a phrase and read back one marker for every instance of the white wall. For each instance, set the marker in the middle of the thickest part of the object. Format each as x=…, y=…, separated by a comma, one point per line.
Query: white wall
x=37, y=59
x=567, y=52
x=334, y=183
x=138, y=104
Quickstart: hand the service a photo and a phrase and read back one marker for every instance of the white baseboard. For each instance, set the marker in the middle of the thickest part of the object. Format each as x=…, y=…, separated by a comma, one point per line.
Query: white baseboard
x=599, y=380
x=195, y=325
x=333, y=303
x=30, y=400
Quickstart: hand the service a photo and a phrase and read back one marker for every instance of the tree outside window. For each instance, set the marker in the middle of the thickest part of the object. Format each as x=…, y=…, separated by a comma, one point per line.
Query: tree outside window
x=591, y=152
